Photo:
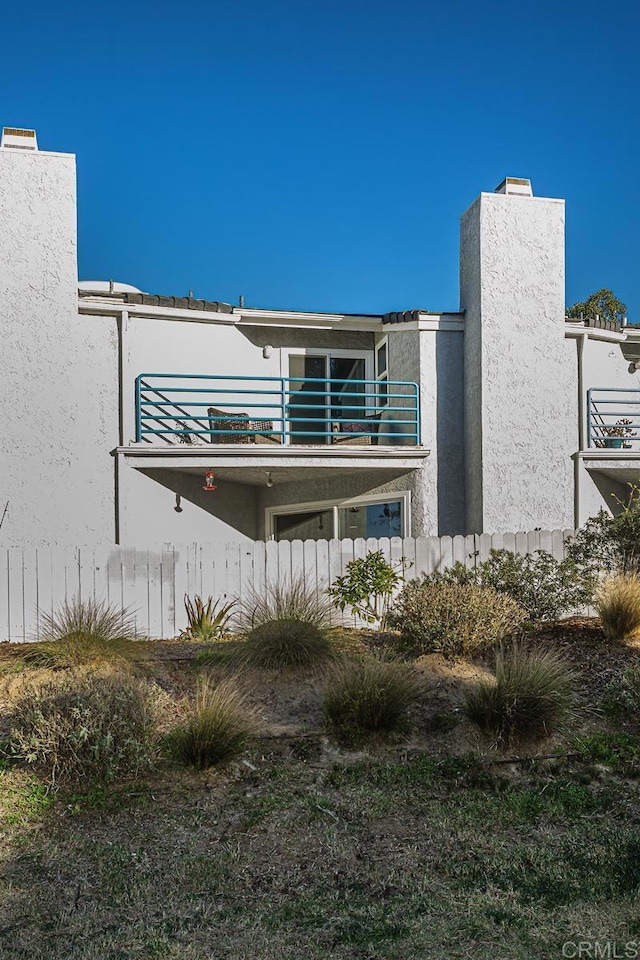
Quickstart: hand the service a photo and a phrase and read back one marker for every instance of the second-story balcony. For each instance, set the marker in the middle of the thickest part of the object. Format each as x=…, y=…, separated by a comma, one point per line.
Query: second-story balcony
x=613, y=419
x=194, y=409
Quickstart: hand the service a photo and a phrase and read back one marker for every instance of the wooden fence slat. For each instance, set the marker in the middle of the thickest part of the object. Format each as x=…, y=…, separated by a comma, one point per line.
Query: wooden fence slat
x=155, y=593
x=168, y=592
x=4, y=594
x=17, y=626
x=30, y=588
x=272, y=554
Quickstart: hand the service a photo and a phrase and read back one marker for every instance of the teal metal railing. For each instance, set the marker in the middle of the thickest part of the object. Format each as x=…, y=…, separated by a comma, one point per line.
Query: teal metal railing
x=194, y=408
x=613, y=418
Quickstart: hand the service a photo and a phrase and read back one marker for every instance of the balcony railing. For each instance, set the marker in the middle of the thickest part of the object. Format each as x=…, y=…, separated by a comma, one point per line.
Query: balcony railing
x=192, y=409
x=613, y=418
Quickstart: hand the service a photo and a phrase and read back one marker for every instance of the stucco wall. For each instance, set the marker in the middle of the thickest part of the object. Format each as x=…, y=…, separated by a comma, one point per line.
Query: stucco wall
x=58, y=389
x=519, y=377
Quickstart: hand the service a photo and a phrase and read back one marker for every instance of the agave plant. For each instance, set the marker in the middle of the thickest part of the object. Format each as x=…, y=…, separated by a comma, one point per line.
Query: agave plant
x=207, y=620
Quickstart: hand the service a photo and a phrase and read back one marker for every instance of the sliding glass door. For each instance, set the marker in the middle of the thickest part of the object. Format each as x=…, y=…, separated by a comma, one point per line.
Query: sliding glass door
x=324, y=389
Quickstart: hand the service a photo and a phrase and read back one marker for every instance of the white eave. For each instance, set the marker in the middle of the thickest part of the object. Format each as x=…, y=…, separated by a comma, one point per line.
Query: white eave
x=594, y=333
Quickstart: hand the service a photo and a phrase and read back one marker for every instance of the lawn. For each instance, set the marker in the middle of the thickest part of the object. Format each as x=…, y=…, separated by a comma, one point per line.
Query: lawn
x=433, y=846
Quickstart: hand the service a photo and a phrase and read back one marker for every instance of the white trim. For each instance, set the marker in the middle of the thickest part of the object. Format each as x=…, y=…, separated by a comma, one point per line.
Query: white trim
x=402, y=496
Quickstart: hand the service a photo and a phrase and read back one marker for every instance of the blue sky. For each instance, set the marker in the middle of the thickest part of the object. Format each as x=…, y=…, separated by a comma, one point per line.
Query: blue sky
x=318, y=156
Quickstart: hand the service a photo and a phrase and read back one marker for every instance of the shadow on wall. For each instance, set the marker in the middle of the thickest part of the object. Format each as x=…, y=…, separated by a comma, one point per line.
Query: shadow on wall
x=450, y=434
x=614, y=494
x=234, y=504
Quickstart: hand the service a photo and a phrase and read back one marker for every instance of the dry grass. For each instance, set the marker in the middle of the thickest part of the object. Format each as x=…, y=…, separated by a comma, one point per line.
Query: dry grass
x=282, y=643
x=217, y=727
x=618, y=604
x=307, y=850
x=366, y=697
x=293, y=599
x=85, y=632
x=533, y=693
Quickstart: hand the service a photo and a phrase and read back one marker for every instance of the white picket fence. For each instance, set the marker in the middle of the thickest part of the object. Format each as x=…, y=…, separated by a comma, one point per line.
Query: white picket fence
x=152, y=582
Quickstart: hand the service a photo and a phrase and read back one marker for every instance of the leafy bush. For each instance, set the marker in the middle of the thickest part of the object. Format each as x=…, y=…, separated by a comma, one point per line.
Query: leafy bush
x=286, y=643
x=367, y=696
x=367, y=588
x=608, y=543
x=452, y=619
x=76, y=727
x=544, y=586
x=532, y=694
x=84, y=632
x=205, y=621
x=217, y=726
x=294, y=599
x=617, y=602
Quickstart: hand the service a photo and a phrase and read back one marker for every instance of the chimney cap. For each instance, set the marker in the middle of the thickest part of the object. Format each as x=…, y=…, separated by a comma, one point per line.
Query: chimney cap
x=15, y=138
x=515, y=186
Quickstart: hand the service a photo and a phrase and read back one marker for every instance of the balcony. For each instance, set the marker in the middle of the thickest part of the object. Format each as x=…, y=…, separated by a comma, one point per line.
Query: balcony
x=192, y=410
x=613, y=419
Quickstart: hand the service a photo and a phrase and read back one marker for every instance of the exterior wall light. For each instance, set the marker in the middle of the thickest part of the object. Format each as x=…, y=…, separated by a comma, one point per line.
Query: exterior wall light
x=267, y=351
x=209, y=485
x=269, y=479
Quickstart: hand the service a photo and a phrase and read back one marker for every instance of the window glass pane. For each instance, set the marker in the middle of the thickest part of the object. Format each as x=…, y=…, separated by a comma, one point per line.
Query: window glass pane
x=382, y=359
x=315, y=525
x=307, y=407
x=371, y=520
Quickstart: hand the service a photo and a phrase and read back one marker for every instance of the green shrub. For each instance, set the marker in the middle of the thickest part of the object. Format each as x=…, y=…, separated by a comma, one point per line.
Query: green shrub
x=367, y=588
x=452, y=619
x=545, y=587
x=293, y=599
x=217, y=727
x=75, y=727
x=532, y=694
x=84, y=632
x=609, y=543
x=368, y=696
x=206, y=622
x=286, y=643
x=617, y=602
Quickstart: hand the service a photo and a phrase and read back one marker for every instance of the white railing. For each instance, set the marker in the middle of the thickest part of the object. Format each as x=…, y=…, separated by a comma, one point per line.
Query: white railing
x=152, y=582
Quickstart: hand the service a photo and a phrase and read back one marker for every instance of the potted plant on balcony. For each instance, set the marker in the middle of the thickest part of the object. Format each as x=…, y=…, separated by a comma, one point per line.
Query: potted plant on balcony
x=616, y=436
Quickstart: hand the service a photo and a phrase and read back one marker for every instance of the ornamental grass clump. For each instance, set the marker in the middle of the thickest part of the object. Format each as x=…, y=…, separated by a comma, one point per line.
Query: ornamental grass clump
x=455, y=620
x=85, y=726
x=533, y=693
x=617, y=602
x=367, y=697
x=217, y=726
x=85, y=632
x=278, y=644
x=293, y=599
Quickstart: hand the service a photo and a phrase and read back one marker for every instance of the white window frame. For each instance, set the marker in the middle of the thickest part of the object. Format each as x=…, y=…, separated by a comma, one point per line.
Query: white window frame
x=404, y=496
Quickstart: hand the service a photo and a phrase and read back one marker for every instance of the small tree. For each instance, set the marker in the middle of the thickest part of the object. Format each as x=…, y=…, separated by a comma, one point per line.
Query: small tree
x=603, y=303
x=367, y=588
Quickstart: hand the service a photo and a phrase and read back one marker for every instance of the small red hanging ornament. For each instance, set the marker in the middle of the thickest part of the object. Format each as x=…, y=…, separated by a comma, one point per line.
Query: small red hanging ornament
x=209, y=485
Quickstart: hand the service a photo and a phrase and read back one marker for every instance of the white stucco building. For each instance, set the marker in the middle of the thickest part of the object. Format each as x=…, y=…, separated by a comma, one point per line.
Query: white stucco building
x=117, y=404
